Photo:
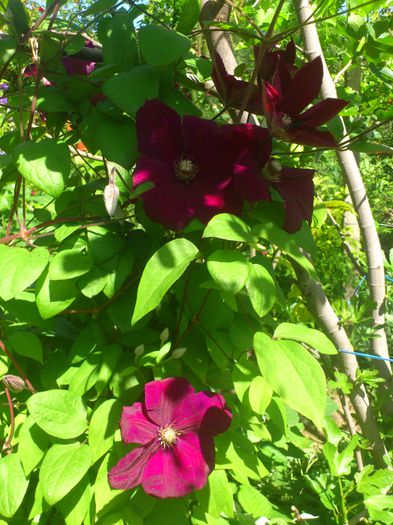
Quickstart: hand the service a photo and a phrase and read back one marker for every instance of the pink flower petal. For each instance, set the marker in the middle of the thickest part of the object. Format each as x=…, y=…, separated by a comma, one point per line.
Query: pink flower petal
x=322, y=112
x=305, y=87
x=128, y=472
x=136, y=427
x=159, y=131
x=162, y=397
x=203, y=412
x=177, y=471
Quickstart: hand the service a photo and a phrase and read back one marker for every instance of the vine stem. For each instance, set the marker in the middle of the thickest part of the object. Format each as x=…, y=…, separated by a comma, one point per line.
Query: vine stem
x=7, y=442
x=18, y=367
x=342, y=502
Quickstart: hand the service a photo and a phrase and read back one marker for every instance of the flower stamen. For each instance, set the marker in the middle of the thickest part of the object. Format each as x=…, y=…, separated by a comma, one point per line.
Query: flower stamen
x=272, y=171
x=186, y=170
x=167, y=436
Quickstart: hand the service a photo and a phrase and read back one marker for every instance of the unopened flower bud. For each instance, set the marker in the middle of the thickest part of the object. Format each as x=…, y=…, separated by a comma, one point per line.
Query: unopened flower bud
x=179, y=352
x=111, y=196
x=13, y=383
x=164, y=335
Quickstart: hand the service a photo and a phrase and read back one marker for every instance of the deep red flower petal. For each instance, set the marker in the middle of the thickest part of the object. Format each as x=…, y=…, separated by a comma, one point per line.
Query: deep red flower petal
x=245, y=138
x=202, y=141
x=77, y=66
x=136, y=427
x=296, y=187
x=128, y=472
x=152, y=170
x=308, y=136
x=168, y=206
x=249, y=180
x=322, y=112
x=282, y=80
x=202, y=412
x=305, y=87
x=159, y=131
x=271, y=100
x=162, y=398
x=177, y=471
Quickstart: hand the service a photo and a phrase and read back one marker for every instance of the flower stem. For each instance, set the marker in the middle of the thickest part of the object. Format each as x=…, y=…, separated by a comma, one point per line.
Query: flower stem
x=342, y=502
x=7, y=442
x=18, y=367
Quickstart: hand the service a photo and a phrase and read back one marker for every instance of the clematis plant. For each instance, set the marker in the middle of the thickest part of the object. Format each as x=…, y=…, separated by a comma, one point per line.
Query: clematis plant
x=286, y=98
x=272, y=57
x=189, y=162
x=256, y=174
x=175, y=428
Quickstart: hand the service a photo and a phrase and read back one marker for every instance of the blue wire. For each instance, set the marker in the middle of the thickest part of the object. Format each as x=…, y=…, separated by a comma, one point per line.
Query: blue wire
x=362, y=354
x=389, y=278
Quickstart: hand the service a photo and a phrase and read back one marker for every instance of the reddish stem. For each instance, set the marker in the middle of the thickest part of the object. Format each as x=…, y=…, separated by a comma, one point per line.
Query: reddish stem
x=7, y=443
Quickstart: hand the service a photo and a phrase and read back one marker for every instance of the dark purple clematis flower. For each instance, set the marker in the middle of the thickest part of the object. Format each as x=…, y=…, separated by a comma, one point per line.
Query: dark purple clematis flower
x=271, y=58
x=190, y=163
x=232, y=90
x=286, y=98
x=256, y=174
x=174, y=427
x=78, y=66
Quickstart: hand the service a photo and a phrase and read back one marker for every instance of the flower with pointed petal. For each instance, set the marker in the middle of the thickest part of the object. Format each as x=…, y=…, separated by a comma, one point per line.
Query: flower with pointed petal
x=232, y=90
x=271, y=58
x=286, y=98
x=256, y=174
x=190, y=164
x=175, y=427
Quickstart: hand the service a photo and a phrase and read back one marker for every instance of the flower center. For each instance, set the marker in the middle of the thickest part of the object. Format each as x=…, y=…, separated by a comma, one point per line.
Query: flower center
x=287, y=121
x=167, y=436
x=272, y=171
x=186, y=170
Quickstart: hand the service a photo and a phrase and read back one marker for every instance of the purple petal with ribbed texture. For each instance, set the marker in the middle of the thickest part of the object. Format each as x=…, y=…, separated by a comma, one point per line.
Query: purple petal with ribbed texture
x=296, y=187
x=322, y=112
x=177, y=471
x=128, y=472
x=304, y=88
x=202, y=412
x=77, y=66
x=159, y=131
x=163, y=396
x=245, y=138
x=136, y=426
x=249, y=181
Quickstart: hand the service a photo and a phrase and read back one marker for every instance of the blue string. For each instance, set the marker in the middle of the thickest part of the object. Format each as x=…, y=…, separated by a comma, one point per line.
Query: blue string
x=362, y=354
x=389, y=278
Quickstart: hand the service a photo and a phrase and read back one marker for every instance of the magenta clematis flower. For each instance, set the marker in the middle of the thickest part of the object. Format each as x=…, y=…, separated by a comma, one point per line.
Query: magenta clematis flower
x=256, y=174
x=190, y=163
x=175, y=426
x=232, y=90
x=271, y=58
x=286, y=98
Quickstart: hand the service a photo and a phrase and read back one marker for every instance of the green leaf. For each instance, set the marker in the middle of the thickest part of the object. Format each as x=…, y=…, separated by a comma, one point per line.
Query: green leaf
x=86, y=374
x=161, y=271
x=229, y=227
x=229, y=269
x=116, y=138
x=253, y=502
x=103, y=424
x=27, y=344
x=340, y=462
x=217, y=496
x=189, y=15
x=62, y=468
x=369, y=482
x=107, y=498
x=261, y=289
x=294, y=375
x=99, y=6
x=19, y=15
x=379, y=507
x=118, y=41
x=19, y=269
x=129, y=91
x=371, y=147
x=8, y=46
x=45, y=164
x=53, y=296
x=304, y=334
x=161, y=46
x=285, y=242
x=33, y=443
x=13, y=485
x=75, y=505
x=59, y=413
x=260, y=394
x=68, y=264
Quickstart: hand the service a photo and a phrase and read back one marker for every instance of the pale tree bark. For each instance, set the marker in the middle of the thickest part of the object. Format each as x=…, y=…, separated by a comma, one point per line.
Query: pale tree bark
x=318, y=303
x=354, y=181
